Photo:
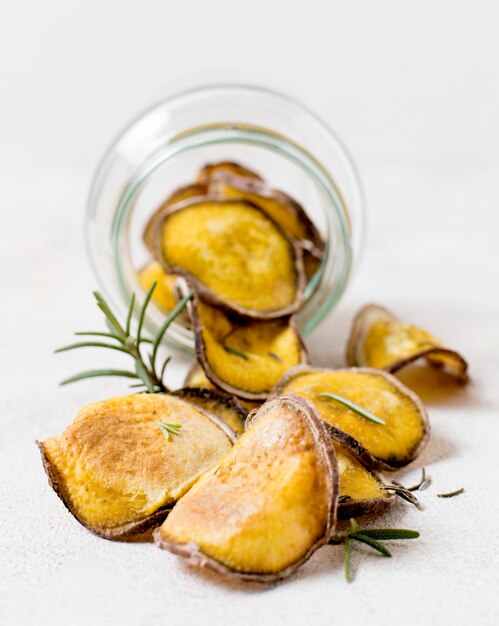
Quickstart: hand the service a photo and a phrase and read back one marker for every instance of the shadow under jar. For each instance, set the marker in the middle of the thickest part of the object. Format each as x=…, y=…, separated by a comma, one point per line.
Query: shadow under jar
x=164, y=148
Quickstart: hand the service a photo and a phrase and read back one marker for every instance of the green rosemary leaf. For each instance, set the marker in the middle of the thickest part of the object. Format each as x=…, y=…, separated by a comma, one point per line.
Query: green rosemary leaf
x=275, y=356
x=97, y=373
x=354, y=527
x=347, y=560
x=458, y=492
x=173, y=314
x=98, y=334
x=169, y=429
x=165, y=364
x=142, y=313
x=354, y=407
x=144, y=376
x=370, y=542
x=90, y=344
x=389, y=534
x=110, y=317
x=236, y=352
x=129, y=316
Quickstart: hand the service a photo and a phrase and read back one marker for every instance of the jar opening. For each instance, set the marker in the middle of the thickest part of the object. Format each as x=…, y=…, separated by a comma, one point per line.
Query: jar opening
x=146, y=163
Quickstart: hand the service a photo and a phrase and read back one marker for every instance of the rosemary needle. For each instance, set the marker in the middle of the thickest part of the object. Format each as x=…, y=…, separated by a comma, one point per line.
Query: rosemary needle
x=169, y=429
x=370, y=537
x=458, y=492
x=236, y=352
x=128, y=343
x=354, y=407
x=423, y=483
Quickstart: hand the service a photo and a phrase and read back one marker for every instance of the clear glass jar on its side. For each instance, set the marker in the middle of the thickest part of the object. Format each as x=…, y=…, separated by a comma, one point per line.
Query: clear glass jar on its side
x=165, y=146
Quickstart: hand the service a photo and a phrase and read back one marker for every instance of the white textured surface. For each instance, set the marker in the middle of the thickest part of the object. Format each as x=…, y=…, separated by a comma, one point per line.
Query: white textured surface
x=431, y=256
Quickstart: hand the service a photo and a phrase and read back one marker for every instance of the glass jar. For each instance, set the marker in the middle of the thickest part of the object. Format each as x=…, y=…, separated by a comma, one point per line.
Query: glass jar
x=164, y=147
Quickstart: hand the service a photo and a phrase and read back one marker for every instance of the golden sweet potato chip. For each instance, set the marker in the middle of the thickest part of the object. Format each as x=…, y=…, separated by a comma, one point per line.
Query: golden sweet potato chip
x=164, y=293
x=179, y=195
x=283, y=209
x=196, y=377
x=378, y=339
x=268, y=505
x=390, y=445
x=244, y=357
x=225, y=406
x=361, y=490
x=230, y=167
x=234, y=254
x=116, y=470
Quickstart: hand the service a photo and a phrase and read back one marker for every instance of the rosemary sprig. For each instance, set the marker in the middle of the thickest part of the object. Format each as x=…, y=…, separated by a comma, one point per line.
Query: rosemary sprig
x=423, y=484
x=275, y=356
x=169, y=429
x=97, y=373
x=370, y=537
x=236, y=352
x=128, y=343
x=354, y=407
x=404, y=493
x=451, y=494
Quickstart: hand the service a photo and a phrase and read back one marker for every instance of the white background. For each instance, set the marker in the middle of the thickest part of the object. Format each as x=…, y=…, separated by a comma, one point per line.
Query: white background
x=413, y=89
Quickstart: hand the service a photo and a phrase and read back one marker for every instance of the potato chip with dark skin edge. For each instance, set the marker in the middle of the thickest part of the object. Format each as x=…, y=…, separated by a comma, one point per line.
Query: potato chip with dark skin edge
x=179, y=195
x=361, y=490
x=236, y=256
x=268, y=505
x=379, y=339
x=117, y=472
x=206, y=173
x=244, y=357
x=388, y=446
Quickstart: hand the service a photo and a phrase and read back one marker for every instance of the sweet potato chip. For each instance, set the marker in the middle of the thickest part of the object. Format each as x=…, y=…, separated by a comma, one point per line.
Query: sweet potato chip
x=268, y=505
x=378, y=339
x=179, y=195
x=229, y=167
x=196, y=377
x=114, y=468
x=234, y=254
x=244, y=357
x=361, y=490
x=226, y=407
x=164, y=293
x=390, y=445
x=283, y=209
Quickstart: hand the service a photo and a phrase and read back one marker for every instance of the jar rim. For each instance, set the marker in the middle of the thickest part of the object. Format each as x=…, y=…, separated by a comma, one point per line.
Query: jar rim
x=225, y=132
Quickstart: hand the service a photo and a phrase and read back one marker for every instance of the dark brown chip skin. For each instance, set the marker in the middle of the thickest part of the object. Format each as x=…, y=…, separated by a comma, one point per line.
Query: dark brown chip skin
x=212, y=394
x=207, y=172
x=376, y=506
x=195, y=556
